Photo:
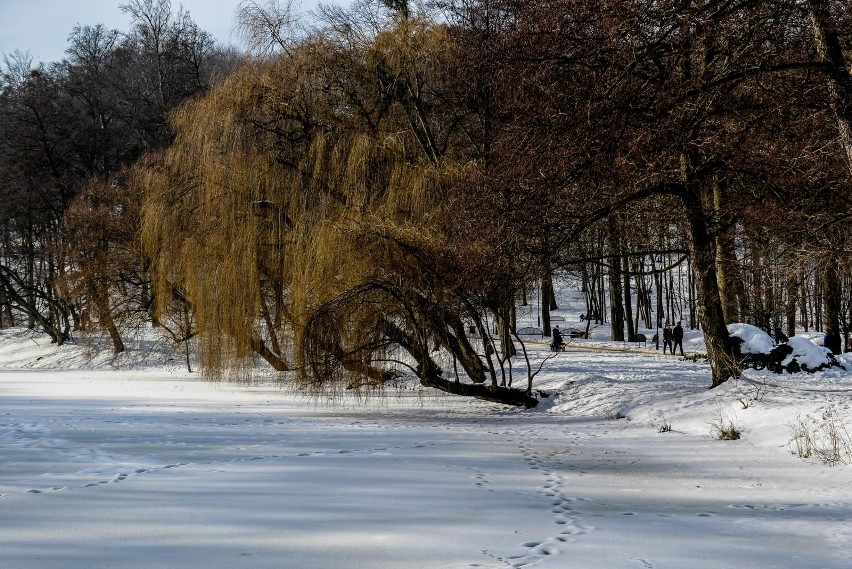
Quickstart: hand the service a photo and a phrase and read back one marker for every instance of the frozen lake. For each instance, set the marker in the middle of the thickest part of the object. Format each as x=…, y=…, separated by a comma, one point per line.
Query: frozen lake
x=133, y=469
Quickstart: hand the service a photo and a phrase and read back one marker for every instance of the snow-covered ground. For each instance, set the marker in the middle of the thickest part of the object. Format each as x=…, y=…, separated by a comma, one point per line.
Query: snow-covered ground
x=117, y=463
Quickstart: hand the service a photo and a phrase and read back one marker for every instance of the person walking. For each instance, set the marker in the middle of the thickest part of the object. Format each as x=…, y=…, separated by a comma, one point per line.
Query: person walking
x=677, y=335
x=667, y=338
x=558, y=344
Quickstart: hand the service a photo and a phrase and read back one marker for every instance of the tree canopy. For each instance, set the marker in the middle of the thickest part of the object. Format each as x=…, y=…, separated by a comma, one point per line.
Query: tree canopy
x=372, y=196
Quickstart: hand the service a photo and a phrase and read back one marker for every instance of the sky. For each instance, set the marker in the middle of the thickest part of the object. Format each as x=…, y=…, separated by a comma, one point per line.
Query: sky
x=42, y=26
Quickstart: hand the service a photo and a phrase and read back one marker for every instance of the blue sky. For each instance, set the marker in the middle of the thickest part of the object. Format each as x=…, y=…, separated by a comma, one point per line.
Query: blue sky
x=42, y=26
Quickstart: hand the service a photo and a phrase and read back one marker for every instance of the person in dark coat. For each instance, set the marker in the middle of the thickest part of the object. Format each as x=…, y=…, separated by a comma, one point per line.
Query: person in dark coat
x=832, y=342
x=667, y=338
x=677, y=336
x=557, y=343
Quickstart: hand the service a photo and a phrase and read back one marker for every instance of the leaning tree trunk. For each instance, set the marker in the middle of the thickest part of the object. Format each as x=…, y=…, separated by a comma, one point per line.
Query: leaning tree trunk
x=430, y=374
x=720, y=351
x=504, y=326
x=504, y=395
x=259, y=347
x=100, y=297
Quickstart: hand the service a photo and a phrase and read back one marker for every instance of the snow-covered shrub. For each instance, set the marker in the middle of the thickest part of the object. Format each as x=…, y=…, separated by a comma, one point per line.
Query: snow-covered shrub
x=806, y=356
x=754, y=340
x=795, y=355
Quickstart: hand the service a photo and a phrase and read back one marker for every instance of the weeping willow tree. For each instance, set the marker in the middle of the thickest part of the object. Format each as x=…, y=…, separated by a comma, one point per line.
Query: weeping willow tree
x=303, y=218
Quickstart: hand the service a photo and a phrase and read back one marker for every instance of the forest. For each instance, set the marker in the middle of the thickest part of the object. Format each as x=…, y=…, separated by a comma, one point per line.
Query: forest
x=372, y=192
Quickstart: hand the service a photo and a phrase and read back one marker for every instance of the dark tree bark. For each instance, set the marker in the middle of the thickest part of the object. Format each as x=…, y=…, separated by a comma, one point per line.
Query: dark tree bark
x=720, y=352
x=831, y=291
x=504, y=395
x=616, y=312
x=548, y=301
x=727, y=266
x=100, y=296
x=628, y=298
x=12, y=284
x=830, y=51
x=259, y=347
x=551, y=293
x=791, y=303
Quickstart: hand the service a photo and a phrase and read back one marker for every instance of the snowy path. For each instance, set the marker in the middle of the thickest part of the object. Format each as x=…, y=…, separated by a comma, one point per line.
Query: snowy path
x=132, y=470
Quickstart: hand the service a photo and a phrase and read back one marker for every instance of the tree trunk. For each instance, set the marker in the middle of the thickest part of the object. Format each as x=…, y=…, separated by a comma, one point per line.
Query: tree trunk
x=792, y=298
x=6, y=318
x=658, y=317
x=601, y=314
x=817, y=305
x=261, y=349
x=830, y=51
x=504, y=324
x=693, y=300
x=100, y=298
x=728, y=274
x=270, y=326
x=616, y=310
x=457, y=343
x=547, y=284
x=830, y=296
x=720, y=352
x=504, y=395
x=670, y=297
x=8, y=281
x=803, y=300
x=545, y=308
x=628, y=299
x=30, y=275
x=588, y=291
x=727, y=266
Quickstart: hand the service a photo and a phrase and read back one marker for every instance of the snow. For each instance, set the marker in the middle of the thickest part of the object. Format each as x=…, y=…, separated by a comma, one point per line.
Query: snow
x=755, y=340
x=806, y=353
x=133, y=462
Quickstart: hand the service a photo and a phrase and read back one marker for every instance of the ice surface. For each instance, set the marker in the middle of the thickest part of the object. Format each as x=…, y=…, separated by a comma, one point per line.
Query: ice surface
x=147, y=466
